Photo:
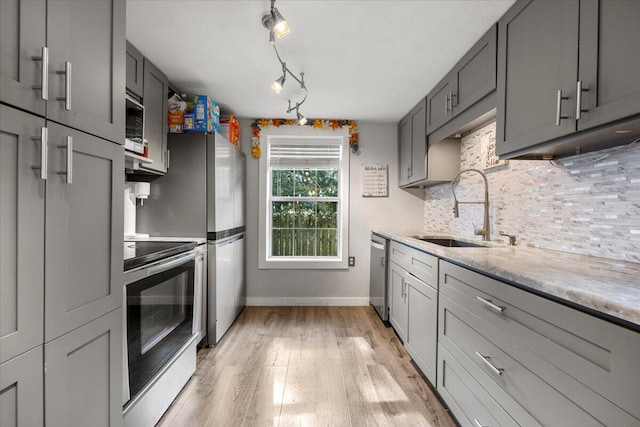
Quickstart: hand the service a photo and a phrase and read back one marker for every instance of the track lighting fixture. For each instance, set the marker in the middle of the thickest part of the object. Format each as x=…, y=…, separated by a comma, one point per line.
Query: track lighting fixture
x=278, y=27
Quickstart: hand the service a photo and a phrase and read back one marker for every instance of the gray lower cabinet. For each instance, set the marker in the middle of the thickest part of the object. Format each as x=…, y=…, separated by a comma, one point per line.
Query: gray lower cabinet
x=592, y=81
x=22, y=207
x=398, y=306
x=412, y=144
x=135, y=71
x=86, y=43
x=83, y=379
x=21, y=75
x=21, y=397
x=84, y=223
x=422, y=331
x=468, y=401
x=541, y=361
x=156, y=92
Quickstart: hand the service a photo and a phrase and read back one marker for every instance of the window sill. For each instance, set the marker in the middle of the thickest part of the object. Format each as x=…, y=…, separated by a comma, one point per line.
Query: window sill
x=303, y=264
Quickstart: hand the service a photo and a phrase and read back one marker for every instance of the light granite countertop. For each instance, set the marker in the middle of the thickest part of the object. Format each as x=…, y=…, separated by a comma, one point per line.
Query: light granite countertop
x=607, y=286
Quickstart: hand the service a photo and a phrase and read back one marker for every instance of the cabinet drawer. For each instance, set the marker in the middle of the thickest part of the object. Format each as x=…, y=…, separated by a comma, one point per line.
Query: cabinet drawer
x=418, y=263
x=509, y=375
x=468, y=401
x=596, y=353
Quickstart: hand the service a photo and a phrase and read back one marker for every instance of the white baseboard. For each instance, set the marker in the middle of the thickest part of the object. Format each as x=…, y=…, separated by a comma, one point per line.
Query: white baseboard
x=309, y=301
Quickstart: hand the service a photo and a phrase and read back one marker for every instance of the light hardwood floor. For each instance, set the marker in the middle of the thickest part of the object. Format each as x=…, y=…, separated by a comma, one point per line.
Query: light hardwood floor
x=299, y=366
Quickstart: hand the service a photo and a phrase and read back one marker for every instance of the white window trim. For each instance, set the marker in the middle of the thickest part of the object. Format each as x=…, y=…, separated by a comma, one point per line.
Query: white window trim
x=301, y=133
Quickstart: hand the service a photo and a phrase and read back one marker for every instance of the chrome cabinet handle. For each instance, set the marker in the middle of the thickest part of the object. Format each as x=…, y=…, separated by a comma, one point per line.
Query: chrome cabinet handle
x=43, y=138
x=44, y=74
x=579, y=109
x=487, y=361
x=559, y=115
x=446, y=105
x=491, y=305
x=381, y=261
x=69, y=148
x=67, y=86
x=409, y=173
x=478, y=423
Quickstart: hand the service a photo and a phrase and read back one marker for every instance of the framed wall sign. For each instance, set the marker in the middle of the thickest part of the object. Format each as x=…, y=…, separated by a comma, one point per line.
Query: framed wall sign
x=488, y=150
x=375, y=180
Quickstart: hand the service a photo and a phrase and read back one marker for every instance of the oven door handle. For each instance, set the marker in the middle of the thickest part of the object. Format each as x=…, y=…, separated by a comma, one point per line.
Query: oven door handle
x=171, y=264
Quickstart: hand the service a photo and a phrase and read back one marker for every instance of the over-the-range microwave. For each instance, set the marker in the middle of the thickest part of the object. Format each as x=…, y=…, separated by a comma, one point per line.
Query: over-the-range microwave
x=134, y=134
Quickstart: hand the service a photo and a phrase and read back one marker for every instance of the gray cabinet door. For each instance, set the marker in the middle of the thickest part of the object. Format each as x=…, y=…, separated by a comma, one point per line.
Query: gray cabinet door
x=609, y=61
x=83, y=382
x=22, y=197
x=440, y=103
x=422, y=326
x=418, y=170
x=239, y=277
x=87, y=38
x=537, y=65
x=135, y=71
x=404, y=150
x=475, y=74
x=83, y=229
x=21, y=397
x=398, y=316
x=156, y=92
x=23, y=31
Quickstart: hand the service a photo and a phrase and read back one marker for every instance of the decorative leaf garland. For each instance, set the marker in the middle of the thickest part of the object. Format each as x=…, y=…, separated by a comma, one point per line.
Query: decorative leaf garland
x=259, y=124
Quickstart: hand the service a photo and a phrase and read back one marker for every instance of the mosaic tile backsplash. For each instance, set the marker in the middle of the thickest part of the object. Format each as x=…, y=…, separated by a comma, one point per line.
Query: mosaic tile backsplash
x=584, y=204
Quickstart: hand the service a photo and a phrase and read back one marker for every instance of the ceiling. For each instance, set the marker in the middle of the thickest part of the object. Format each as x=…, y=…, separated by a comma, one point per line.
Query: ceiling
x=368, y=60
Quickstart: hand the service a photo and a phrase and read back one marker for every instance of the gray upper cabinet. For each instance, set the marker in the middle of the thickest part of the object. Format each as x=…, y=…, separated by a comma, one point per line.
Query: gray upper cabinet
x=156, y=93
x=83, y=381
x=609, y=69
x=22, y=191
x=21, y=397
x=440, y=104
x=86, y=43
x=412, y=145
x=589, y=80
x=470, y=80
x=84, y=223
x=21, y=72
x=475, y=74
x=135, y=71
x=404, y=150
x=536, y=102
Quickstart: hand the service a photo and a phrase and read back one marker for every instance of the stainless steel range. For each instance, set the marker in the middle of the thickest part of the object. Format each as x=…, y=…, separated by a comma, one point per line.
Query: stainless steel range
x=163, y=300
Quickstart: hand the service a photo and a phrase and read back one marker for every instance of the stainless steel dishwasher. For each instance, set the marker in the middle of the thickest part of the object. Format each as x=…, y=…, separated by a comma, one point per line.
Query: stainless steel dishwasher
x=378, y=275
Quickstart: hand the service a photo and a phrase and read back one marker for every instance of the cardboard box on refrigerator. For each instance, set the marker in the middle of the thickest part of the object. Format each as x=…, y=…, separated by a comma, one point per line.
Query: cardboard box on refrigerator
x=206, y=114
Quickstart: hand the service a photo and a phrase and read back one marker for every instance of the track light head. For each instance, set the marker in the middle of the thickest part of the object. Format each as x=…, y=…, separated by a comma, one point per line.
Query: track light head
x=279, y=25
x=278, y=84
x=302, y=120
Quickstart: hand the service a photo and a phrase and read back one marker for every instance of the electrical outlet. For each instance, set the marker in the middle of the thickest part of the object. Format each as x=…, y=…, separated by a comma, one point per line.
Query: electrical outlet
x=352, y=261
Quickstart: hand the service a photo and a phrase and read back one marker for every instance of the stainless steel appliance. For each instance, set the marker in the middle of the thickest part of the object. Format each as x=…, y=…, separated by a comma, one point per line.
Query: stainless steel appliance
x=378, y=291
x=162, y=300
x=202, y=195
x=134, y=130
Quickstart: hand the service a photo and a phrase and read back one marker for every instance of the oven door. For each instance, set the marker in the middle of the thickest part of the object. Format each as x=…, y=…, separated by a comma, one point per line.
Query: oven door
x=159, y=301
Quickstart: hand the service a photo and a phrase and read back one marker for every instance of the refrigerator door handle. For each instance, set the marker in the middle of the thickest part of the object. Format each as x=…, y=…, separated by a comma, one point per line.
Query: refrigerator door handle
x=228, y=240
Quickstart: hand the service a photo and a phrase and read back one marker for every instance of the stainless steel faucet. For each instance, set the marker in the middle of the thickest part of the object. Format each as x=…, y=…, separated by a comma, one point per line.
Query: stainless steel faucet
x=485, y=231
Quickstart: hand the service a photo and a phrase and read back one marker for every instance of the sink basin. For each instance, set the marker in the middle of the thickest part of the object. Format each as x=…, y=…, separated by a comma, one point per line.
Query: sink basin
x=451, y=243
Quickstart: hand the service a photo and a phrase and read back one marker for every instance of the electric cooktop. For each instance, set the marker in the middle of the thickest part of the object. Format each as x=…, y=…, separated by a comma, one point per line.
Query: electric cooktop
x=139, y=253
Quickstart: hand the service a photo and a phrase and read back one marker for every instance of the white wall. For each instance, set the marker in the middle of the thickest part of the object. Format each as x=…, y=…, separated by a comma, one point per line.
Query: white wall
x=378, y=144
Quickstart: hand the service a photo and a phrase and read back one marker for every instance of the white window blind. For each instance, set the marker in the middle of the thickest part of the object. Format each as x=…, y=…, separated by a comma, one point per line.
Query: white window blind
x=292, y=155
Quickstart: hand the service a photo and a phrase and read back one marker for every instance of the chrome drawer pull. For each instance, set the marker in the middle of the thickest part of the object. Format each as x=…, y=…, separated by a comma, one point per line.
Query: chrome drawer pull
x=487, y=361
x=43, y=138
x=44, y=75
x=491, y=305
x=478, y=423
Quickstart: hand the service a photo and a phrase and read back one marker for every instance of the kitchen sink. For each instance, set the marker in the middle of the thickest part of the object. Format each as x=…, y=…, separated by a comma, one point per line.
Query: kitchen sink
x=451, y=243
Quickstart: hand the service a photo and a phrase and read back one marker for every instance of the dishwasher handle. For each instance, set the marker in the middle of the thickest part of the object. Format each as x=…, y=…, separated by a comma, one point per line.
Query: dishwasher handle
x=377, y=245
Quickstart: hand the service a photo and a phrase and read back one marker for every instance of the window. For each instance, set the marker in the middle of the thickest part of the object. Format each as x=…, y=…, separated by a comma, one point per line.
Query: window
x=304, y=202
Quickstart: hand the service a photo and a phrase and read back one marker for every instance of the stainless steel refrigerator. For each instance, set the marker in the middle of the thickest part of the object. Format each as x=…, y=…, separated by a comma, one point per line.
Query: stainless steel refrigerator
x=202, y=195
